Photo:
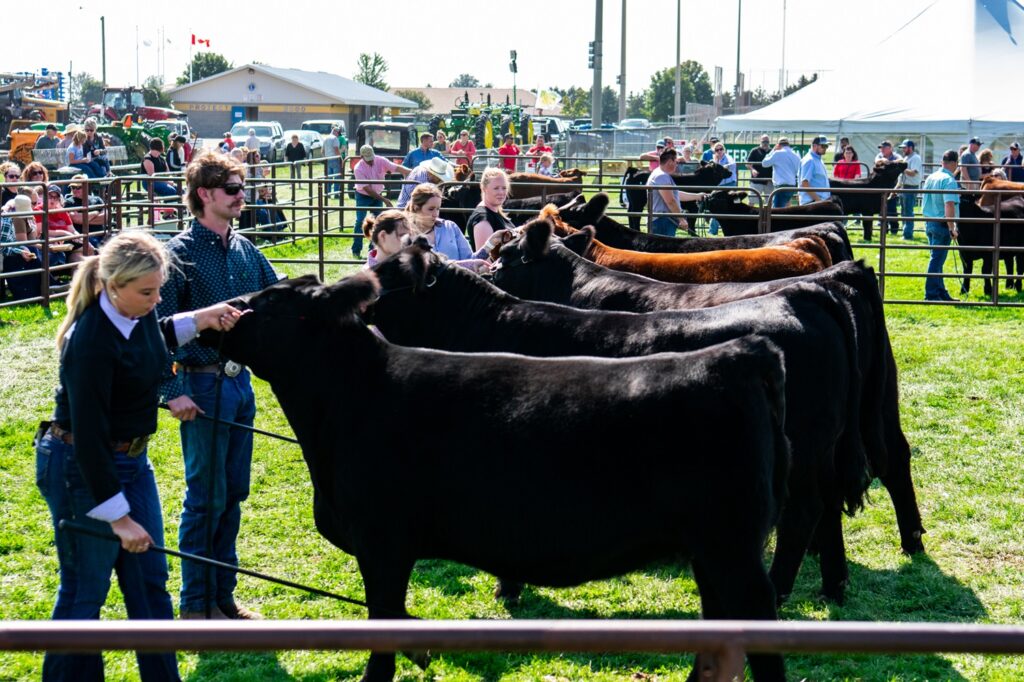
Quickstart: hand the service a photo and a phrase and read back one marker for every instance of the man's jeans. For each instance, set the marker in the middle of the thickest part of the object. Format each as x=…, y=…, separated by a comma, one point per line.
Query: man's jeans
x=363, y=203
x=664, y=225
x=938, y=235
x=334, y=171
x=86, y=562
x=230, y=470
x=907, y=201
x=782, y=198
x=892, y=207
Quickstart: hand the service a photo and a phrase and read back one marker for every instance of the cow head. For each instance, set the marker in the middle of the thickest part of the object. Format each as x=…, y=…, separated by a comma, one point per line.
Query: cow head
x=573, y=173
x=728, y=201
x=406, y=280
x=711, y=173
x=288, y=316
x=580, y=212
x=889, y=171
x=463, y=173
x=538, y=266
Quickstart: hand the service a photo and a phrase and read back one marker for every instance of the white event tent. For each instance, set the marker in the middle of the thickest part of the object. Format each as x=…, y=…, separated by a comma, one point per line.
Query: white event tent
x=945, y=75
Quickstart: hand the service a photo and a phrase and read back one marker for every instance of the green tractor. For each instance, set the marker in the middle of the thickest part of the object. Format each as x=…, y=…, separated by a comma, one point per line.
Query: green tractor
x=487, y=123
x=133, y=136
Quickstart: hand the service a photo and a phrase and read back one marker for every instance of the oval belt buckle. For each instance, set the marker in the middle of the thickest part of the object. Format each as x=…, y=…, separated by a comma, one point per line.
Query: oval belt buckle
x=232, y=368
x=137, y=446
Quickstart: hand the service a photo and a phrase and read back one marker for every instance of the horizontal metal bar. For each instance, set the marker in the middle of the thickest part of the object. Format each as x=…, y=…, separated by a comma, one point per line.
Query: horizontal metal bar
x=503, y=635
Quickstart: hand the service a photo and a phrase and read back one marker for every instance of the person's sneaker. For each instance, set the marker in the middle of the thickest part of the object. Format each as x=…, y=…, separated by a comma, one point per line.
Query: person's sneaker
x=215, y=614
x=236, y=612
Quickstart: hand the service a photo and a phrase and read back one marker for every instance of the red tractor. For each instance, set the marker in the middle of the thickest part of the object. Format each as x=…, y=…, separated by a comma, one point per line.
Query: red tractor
x=120, y=101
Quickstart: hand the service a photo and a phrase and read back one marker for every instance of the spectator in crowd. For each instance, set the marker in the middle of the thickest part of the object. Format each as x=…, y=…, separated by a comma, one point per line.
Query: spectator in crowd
x=424, y=152
x=722, y=158
x=370, y=195
x=11, y=175
x=848, y=167
x=227, y=141
x=436, y=170
x=667, y=197
x=760, y=175
x=710, y=153
x=384, y=231
x=885, y=153
x=20, y=258
x=970, y=171
x=844, y=142
x=488, y=217
x=60, y=227
x=73, y=202
x=911, y=181
x=80, y=160
x=423, y=211
x=539, y=147
x=813, y=178
x=685, y=162
x=653, y=157
x=940, y=211
x=332, y=152
x=153, y=163
x=986, y=157
x=669, y=143
x=1012, y=163
x=69, y=135
x=35, y=172
x=92, y=457
x=252, y=142
x=176, y=154
x=94, y=147
x=49, y=139
x=546, y=165
x=217, y=263
x=463, y=149
x=295, y=150
x=441, y=142
x=187, y=146
x=509, y=151
x=785, y=164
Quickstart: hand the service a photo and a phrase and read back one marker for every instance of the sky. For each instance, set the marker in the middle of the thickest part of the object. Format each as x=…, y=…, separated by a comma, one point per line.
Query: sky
x=432, y=43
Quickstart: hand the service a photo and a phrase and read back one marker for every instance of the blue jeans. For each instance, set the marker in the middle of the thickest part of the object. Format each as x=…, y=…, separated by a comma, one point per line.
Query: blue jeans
x=231, y=465
x=363, y=203
x=664, y=225
x=892, y=208
x=86, y=562
x=91, y=168
x=907, y=201
x=782, y=198
x=162, y=189
x=938, y=235
x=333, y=171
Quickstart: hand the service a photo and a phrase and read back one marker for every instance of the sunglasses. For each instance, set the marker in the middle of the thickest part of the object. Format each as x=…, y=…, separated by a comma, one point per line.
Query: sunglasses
x=233, y=188
x=36, y=174
x=14, y=176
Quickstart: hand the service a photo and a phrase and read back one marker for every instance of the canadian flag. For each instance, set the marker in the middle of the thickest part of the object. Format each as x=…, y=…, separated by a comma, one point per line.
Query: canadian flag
x=200, y=41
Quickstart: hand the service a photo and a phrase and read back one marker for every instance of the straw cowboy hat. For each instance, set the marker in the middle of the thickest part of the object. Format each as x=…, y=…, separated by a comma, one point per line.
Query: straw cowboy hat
x=440, y=168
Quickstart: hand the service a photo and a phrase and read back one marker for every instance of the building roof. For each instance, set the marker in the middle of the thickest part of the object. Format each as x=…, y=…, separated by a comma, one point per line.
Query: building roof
x=443, y=100
x=341, y=89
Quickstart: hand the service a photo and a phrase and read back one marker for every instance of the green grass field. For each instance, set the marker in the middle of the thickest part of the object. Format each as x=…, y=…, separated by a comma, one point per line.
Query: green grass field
x=962, y=391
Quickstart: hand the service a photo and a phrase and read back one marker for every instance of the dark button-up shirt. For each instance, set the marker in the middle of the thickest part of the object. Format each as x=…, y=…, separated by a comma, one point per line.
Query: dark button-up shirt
x=210, y=272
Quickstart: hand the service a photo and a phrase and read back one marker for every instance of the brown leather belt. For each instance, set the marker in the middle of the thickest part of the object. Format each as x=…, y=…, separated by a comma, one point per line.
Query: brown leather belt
x=133, y=447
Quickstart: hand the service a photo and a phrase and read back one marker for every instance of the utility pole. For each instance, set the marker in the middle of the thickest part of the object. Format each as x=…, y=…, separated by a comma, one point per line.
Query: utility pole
x=677, y=109
x=782, y=68
x=103, y=47
x=595, y=94
x=739, y=24
x=622, y=67
x=137, y=81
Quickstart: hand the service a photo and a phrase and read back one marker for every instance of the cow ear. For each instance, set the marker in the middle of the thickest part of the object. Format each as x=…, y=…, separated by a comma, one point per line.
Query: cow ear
x=579, y=242
x=352, y=294
x=416, y=262
x=537, y=239
x=596, y=207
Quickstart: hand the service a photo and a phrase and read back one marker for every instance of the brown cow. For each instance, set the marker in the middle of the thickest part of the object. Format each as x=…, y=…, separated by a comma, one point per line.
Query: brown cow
x=992, y=182
x=801, y=256
x=570, y=180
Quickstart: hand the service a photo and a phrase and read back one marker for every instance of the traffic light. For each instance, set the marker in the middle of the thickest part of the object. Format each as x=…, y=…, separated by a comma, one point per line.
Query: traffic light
x=592, y=57
x=512, y=62
x=618, y=79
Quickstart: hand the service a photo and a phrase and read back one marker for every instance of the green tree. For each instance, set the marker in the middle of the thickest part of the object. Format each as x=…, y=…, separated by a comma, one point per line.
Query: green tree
x=371, y=70
x=801, y=82
x=696, y=76
x=465, y=80
x=84, y=89
x=575, y=102
x=204, y=65
x=660, y=96
x=422, y=101
x=609, y=104
x=635, y=104
x=153, y=92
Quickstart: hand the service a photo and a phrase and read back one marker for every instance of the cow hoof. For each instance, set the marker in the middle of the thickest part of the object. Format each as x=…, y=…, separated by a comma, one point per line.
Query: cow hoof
x=913, y=545
x=835, y=595
x=420, y=658
x=508, y=592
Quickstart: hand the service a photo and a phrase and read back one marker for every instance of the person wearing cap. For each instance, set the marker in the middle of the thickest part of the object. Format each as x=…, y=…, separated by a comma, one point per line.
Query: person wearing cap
x=940, y=211
x=813, y=176
x=60, y=225
x=176, y=154
x=844, y=142
x=227, y=141
x=20, y=258
x=463, y=150
x=785, y=165
x=1012, y=163
x=653, y=157
x=49, y=139
x=371, y=169
x=666, y=197
x=707, y=156
x=885, y=153
x=761, y=175
x=73, y=202
x=424, y=152
x=435, y=170
x=69, y=133
x=970, y=171
x=911, y=181
x=332, y=152
x=510, y=151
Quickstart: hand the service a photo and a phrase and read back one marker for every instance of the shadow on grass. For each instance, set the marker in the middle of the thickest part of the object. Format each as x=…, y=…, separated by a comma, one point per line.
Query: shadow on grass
x=447, y=577
x=264, y=666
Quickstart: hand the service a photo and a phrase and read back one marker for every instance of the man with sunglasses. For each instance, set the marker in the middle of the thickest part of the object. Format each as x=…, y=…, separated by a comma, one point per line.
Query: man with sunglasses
x=217, y=264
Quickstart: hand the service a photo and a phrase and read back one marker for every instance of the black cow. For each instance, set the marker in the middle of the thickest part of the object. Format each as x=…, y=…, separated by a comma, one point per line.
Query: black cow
x=885, y=175
x=705, y=434
x=579, y=213
x=976, y=240
x=460, y=311
x=635, y=179
x=738, y=218
x=559, y=274
x=465, y=198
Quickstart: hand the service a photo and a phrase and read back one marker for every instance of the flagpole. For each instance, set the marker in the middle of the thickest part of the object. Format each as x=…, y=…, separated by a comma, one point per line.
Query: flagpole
x=190, y=45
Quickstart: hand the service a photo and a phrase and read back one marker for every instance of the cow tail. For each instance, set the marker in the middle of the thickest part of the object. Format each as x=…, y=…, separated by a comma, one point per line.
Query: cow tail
x=880, y=395
x=774, y=377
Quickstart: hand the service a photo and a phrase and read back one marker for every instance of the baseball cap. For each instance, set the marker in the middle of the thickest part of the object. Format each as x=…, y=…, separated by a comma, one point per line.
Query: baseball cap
x=907, y=143
x=784, y=140
x=366, y=151
x=660, y=143
x=821, y=139
x=976, y=141
x=713, y=139
x=54, y=189
x=1014, y=145
x=885, y=143
x=50, y=126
